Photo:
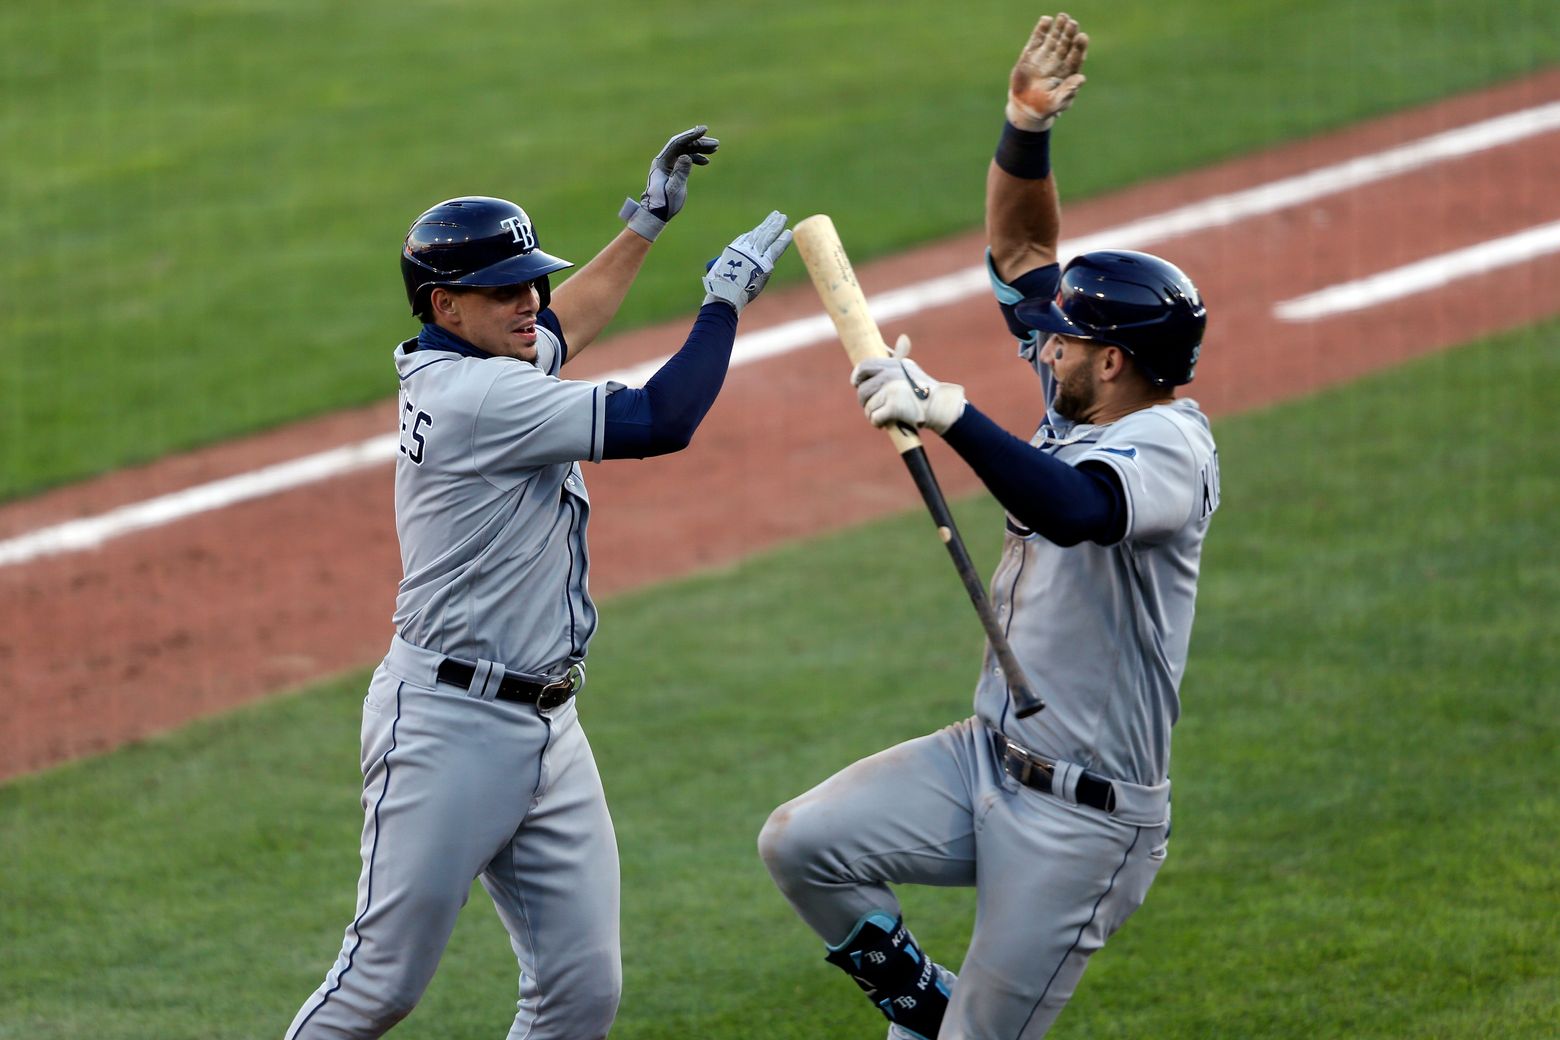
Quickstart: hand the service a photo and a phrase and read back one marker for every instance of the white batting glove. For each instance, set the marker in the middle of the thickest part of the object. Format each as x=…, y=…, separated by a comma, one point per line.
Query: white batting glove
x=666, y=186
x=895, y=389
x=740, y=273
x=1046, y=79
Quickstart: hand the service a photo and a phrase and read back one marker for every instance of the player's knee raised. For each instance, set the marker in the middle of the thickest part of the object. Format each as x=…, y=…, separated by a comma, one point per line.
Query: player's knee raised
x=783, y=842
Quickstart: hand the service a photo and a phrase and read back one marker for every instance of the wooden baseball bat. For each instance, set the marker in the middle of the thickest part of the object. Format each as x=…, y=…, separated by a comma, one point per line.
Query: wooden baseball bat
x=835, y=279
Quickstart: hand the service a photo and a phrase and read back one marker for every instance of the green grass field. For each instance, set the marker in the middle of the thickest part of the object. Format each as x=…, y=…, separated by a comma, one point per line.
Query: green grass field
x=1365, y=832
x=202, y=200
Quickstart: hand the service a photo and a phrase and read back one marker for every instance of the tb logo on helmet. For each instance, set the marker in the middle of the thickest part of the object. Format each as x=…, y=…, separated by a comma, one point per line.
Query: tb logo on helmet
x=520, y=227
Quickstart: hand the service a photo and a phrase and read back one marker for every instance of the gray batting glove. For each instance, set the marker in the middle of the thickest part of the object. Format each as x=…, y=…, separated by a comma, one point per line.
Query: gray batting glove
x=666, y=188
x=740, y=273
x=896, y=390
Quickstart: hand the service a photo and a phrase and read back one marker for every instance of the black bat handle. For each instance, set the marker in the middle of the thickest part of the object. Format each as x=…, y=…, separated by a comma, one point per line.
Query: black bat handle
x=1025, y=701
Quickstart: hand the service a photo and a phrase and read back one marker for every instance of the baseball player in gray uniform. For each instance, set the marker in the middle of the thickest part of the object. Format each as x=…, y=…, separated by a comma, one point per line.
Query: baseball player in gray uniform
x=474, y=762
x=1060, y=820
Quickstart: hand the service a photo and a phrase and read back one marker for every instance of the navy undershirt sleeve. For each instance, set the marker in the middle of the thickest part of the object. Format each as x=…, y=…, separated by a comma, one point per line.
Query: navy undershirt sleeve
x=1064, y=504
x=660, y=417
x=1038, y=284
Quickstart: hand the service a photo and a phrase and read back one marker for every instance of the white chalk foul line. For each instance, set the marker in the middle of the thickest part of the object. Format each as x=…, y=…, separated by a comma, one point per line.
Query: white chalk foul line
x=90, y=532
x=1216, y=211
x=1422, y=275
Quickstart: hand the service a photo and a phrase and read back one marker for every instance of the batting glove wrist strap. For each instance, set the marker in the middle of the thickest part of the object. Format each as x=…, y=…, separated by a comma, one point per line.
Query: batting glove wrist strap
x=1024, y=153
x=1026, y=119
x=735, y=277
x=945, y=407
x=640, y=220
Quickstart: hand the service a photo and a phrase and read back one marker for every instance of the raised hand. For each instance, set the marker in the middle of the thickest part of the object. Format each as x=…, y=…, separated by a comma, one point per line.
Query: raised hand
x=666, y=186
x=1046, y=77
x=742, y=270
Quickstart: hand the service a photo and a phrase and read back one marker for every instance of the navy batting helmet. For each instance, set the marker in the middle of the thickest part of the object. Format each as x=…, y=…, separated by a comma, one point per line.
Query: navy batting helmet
x=1135, y=301
x=473, y=241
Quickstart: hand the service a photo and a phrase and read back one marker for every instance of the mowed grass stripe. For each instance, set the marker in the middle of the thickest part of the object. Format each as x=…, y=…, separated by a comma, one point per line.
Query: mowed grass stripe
x=204, y=201
x=1363, y=844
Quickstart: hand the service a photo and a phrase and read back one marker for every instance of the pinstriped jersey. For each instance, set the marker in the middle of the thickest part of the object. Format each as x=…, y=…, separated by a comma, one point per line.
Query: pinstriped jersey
x=491, y=507
x=1103, y=630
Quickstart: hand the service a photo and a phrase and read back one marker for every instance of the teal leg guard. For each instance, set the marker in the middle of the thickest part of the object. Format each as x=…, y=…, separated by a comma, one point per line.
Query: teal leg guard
x=903, y=983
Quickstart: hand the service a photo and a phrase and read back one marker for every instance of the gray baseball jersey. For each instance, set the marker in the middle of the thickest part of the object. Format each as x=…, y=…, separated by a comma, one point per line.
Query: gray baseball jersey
x=1102, y=632
x=458, y=784
x=490, y=502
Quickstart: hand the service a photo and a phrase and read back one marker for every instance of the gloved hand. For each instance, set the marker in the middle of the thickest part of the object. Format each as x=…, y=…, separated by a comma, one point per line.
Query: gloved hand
x=666, y=187
x=1045, y=78
x=740, y=273
x=895, y=389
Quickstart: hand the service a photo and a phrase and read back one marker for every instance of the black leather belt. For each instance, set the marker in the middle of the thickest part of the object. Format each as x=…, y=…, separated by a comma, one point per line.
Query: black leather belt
x=1035, y=771
x=514, y=688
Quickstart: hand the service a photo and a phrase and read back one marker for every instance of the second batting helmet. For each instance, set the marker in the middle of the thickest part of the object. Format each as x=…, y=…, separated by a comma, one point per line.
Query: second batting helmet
x=473, y=241
x=1135, y=301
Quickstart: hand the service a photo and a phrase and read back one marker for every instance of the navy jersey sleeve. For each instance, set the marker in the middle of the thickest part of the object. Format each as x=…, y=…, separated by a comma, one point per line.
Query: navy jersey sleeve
x=1039, y=284
x=1064, y=504
x=661, y=417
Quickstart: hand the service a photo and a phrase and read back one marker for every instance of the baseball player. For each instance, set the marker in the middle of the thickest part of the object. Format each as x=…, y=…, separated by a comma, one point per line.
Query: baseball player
x=1060, y=820
x=474, y=762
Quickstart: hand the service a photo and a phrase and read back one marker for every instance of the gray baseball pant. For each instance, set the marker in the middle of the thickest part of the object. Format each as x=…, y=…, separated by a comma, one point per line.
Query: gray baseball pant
x=1053, y=879
x=457, y=787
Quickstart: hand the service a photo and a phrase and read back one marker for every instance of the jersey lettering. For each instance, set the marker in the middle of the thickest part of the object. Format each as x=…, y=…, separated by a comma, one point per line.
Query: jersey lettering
x=1209, y=478
x=413, y=443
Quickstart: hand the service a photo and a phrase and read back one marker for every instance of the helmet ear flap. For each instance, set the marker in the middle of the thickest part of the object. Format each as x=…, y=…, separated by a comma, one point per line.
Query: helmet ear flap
x=422, y=302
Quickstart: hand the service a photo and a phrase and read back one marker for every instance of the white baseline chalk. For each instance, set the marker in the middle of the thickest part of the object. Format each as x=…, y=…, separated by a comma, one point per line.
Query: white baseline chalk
x=1422, y=275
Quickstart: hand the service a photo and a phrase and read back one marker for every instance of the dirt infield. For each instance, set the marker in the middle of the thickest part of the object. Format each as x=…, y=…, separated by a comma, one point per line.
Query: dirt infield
x=167, y=624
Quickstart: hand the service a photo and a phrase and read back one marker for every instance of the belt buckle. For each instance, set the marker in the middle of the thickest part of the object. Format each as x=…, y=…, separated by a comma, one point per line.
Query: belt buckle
x=1030, y=764
x=561, y=689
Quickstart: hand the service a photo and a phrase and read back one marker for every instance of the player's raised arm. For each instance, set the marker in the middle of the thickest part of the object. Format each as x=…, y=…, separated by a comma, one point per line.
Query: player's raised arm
x=1023, y=216
x=661, y=416
x=586, y=302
